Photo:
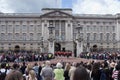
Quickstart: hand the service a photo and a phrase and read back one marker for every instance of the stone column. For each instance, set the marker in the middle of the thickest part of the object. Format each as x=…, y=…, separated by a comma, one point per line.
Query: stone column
x=88, y=46
x=79, y=40
x=51, y=47
x=79, y=47
x=51, y=40
x=117, y=31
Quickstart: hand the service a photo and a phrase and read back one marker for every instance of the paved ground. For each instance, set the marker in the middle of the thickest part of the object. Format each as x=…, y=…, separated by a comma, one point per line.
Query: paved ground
x=71, y=59
x=64, y=59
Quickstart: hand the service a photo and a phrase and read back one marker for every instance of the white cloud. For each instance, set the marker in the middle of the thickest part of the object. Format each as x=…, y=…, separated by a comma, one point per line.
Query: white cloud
x=4, y=7
x=27, y=6
x=96, y=6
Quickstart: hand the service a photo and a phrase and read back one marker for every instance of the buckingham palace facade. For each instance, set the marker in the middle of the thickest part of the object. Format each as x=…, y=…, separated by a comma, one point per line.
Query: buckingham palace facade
x=30, y=31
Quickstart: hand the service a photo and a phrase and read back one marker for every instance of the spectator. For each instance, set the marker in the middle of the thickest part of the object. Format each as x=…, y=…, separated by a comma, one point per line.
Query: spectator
x=36, y=68
x=105, y=70
x=66, y=72
x=23, y=67
x=71, y=71
x=115, y=75
x=3, y=71
x=112, y=66
x=81, y=74
x=29, y=67
x=14, y=75
x=8, y=68
x=95, y=75
x=31, y=75
x=15, y=66
x=59, y=72
x=47, y=72
x=39, y=71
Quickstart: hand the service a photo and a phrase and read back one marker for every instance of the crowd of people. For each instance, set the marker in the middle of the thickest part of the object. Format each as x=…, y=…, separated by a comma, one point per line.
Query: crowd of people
x=25, y=56
x=105, y=70
x=101, y=55
x=31, y=56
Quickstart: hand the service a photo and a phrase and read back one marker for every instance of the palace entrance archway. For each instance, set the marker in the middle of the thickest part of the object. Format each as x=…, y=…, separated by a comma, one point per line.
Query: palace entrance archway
x=17, y=48
x=57, y=47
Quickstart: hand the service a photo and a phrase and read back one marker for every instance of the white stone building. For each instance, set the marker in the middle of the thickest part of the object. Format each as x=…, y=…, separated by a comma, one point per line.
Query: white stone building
x=24, y=30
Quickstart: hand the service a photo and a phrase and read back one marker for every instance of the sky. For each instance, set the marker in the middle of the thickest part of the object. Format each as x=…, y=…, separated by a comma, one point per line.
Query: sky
x=78, y=6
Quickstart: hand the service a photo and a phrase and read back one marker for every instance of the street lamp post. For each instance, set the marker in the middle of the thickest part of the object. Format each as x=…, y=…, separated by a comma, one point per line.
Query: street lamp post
x=51, y=40
x=42, y=45
x=79, y=40
x=88, y=45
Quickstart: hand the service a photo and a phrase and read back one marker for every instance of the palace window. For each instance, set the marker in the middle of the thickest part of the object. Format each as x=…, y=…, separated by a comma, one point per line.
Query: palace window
x=94, y=28
x=94, y=36
x=62, y=36
x=107, y=36
x=39, y=36
x=107, y=28
x=24, y=28
x=113, y=28
x=113, y=36
x=31, y=36
x=101, y=28
x=57, y=29
x=10, y=28
x=31, y=28
x=17, y=28
x=24, y=36
x=39, y=28
x=88, y=27
x=3, y=28
x=3, y=36
x=63, y=30
x=101, y=36
x=88, y=36
x=17, y=36
x=51, y=23
x=9, y=37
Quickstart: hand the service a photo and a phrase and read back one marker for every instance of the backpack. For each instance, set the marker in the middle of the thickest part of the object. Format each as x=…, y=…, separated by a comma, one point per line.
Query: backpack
x=3, y=75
